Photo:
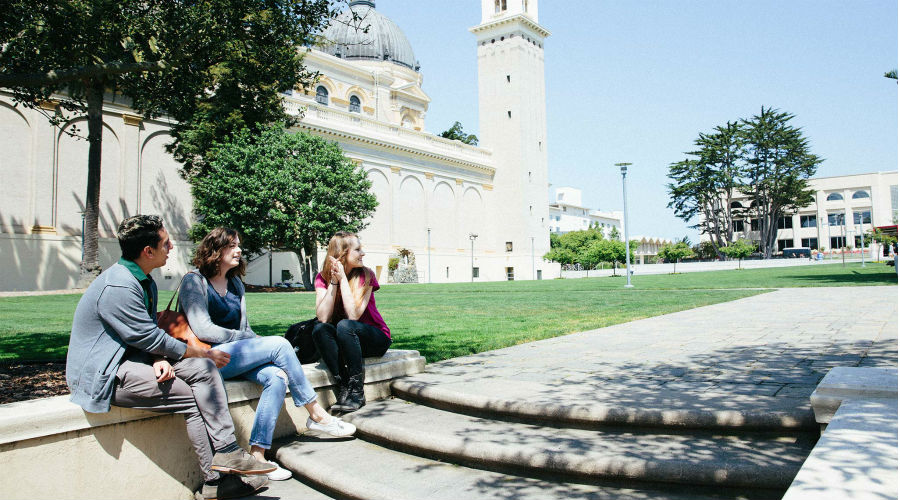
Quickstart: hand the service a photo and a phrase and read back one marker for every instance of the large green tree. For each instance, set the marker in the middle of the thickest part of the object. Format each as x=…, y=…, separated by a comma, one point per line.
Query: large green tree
x=210, y=65
x=704, y=185
x=777, y=164
x=764, y=158
x=282, y=190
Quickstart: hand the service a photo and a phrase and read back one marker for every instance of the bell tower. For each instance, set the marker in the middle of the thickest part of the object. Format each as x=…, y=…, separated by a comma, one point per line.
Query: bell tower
x=513, y=124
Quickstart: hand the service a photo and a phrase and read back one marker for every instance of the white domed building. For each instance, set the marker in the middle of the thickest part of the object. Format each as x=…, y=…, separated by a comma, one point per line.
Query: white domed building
x=444, y=205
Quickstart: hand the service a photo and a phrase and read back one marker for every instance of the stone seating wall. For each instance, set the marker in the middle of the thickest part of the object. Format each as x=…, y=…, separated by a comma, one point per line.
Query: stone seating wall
x=51, y=448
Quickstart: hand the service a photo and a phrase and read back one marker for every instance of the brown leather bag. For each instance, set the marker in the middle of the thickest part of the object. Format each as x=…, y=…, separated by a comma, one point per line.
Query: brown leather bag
x=175, y=323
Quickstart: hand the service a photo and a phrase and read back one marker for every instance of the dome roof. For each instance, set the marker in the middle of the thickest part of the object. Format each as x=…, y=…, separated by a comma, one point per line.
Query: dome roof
x=348, y=38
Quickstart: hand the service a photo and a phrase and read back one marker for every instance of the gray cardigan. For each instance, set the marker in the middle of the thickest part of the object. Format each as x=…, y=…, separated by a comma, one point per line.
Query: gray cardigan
x=194, y=303
x=110, y=318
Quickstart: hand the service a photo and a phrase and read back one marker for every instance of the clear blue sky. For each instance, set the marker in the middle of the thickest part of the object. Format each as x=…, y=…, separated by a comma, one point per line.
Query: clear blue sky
x=637, y=81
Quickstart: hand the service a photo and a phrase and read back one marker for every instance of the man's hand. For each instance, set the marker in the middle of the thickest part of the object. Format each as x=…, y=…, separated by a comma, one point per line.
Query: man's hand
x=220, y=358
x=163, y=370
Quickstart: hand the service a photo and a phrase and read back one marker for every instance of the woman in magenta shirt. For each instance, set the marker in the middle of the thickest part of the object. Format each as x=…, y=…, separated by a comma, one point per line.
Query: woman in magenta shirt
x=350, y=327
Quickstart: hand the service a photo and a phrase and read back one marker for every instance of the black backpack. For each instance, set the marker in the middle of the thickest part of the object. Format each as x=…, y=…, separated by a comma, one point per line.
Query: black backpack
x=300, y=336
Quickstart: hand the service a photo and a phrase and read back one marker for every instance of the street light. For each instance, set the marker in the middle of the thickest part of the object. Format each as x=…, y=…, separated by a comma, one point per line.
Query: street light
x=532, y=257
x=472, y=237
x=624, y=168
x=862, y=241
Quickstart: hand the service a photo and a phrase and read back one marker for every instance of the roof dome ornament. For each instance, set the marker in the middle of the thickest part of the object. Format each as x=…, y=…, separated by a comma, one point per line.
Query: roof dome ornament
x=362, y=33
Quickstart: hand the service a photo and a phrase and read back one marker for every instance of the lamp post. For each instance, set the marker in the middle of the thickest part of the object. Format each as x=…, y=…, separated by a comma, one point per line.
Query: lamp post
x=472, y=237
x=532, y=258
x=624, y=168
x=844, y=239
x=429, y=255
x=862, y=242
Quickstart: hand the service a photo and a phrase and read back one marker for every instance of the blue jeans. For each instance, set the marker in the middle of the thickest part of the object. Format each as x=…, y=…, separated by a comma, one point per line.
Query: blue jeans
x=263, y=360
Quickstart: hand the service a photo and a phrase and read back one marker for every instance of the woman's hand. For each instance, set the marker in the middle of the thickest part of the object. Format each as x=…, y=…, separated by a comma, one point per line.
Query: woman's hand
x=337, y=270
x=163, y=370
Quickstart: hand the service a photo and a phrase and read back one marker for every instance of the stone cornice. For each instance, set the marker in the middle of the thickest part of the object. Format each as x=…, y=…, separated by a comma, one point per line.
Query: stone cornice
x=517, y=19
x=361, y=139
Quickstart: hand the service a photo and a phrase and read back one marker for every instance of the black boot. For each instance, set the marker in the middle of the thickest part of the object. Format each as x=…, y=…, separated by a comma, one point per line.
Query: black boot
x=341, y=390
x=356, y=396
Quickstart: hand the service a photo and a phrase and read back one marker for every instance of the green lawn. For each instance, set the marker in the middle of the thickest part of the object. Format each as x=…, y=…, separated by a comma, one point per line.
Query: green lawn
x=444, y=321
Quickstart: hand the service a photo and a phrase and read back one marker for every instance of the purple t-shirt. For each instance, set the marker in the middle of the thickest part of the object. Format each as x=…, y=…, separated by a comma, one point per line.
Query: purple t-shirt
x=370, y=316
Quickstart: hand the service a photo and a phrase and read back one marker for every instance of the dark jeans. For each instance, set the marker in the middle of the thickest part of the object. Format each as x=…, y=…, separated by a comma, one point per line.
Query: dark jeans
x=347, y=344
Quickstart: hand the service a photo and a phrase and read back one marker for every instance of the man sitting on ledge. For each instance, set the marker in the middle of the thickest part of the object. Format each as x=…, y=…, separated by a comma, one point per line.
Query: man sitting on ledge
x=118, y=356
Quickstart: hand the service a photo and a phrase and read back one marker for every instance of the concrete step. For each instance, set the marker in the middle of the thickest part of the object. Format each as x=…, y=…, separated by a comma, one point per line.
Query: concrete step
x=754, y=460
x=358, y=469
x=541, y=403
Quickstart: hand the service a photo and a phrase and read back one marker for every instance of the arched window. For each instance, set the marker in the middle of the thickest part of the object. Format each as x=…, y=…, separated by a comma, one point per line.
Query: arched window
x=736, y=204
x=860, y=194
x=354, y=104
x=322, y=95
x=835, y=197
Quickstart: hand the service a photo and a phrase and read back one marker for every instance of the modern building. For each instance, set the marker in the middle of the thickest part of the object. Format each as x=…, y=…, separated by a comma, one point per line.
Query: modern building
x=454, y=209
x=568, y=213
x=647, y=248
x=842, y=207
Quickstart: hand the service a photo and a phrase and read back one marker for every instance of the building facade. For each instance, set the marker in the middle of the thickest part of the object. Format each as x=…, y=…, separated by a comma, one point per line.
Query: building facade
x=843, y=208
x=444, y=205
x=567, y=214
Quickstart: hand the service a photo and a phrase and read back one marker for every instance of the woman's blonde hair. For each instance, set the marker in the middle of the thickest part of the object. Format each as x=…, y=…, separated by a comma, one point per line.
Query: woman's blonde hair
x=338, y=247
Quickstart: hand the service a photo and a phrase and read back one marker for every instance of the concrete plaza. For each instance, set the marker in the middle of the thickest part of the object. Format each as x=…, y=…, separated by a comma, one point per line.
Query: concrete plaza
x=677, y=399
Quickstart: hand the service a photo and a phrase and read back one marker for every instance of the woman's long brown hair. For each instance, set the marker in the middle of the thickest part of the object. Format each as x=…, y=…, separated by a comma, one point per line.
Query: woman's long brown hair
x=209, y=253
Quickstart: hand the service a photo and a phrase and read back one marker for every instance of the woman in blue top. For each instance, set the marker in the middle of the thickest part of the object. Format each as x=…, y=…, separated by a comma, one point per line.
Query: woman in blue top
x=212, y=297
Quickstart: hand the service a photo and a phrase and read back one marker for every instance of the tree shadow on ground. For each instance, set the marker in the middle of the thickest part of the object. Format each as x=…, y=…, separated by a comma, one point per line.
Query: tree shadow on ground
x=887, y=277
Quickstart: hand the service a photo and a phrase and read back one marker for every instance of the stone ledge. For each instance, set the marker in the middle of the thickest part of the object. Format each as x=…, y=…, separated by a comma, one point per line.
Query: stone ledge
x=138, y=454
x=856, y=457
x=852, y=383
x=56, y=415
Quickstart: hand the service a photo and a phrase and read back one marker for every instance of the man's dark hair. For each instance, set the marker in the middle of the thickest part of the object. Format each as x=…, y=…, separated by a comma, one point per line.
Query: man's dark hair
x=137, y=232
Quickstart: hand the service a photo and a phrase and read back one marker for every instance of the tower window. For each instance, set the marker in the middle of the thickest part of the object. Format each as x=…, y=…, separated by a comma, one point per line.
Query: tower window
x=509, y=246
x=322, y=95
x=499, y=6
x=507, y=78
x=354, y=104
x=509, y=114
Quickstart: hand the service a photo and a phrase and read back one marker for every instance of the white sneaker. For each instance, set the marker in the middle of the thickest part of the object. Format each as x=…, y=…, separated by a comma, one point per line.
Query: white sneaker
x=279, y=474
x=333, y=427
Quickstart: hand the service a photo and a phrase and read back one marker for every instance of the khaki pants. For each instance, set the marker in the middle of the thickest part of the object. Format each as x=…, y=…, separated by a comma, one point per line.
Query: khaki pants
x=197, y=391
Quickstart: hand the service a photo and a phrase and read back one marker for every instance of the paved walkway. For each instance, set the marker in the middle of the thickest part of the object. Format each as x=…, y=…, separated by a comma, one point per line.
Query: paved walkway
x=754, y=356
x=760, y=353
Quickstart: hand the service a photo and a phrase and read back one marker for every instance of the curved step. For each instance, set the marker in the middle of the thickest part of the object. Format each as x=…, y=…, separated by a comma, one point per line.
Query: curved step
x=360, y=470
x=597, y=416
x=585, y=455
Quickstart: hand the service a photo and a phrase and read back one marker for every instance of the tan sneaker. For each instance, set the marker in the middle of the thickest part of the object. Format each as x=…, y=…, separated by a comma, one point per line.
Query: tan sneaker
x=232, y=487
x=240, y=462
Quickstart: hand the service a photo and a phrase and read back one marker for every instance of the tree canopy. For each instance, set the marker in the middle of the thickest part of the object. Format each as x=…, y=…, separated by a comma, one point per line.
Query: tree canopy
x=284, y=190
x=673, y=253
x=587, y=247
x=764, y=158
x=740, y=249
x=457, y=133
x=212, y=66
